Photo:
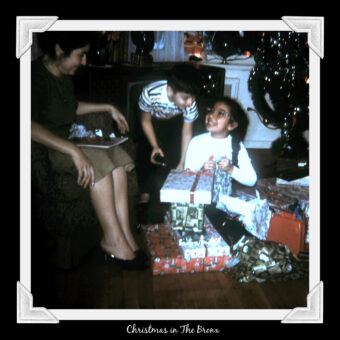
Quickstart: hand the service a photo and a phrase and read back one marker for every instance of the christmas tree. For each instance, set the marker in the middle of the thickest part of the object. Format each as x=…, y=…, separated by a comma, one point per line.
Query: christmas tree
x=280, y=92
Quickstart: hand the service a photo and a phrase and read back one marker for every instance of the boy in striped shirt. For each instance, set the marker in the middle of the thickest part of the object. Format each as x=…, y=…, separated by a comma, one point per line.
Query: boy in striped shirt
x=168, y=111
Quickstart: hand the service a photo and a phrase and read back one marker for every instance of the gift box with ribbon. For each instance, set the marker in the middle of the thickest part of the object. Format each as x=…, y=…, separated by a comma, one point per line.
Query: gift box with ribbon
x=187, y=186
x=187, y=191
x=168, y=257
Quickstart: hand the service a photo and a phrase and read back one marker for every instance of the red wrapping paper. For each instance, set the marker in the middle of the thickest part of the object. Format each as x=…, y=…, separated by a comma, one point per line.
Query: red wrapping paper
x=167, y=256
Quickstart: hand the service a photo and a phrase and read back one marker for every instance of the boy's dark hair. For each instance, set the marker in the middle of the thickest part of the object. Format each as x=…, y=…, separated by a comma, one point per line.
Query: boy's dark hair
x=68, y=41
x=238, y=115
x=183, y=77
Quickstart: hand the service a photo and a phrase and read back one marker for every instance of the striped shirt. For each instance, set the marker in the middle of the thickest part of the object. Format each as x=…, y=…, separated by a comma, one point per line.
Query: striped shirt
x=154, y=99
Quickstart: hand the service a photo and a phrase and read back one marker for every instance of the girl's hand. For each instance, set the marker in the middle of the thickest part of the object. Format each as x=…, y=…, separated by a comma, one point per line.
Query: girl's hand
x=209, y=165
x=123, y=126
x=85, y=169
x=156, y=151
x=225, y=165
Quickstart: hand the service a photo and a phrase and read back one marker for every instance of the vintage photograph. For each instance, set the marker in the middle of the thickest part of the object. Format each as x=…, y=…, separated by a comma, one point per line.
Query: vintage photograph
x=170, y=170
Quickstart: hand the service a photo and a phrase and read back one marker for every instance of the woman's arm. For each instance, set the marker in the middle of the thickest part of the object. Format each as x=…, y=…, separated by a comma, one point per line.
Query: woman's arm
x=86, y=107
x=150, y=135
x=43, y=136
x=186, y=137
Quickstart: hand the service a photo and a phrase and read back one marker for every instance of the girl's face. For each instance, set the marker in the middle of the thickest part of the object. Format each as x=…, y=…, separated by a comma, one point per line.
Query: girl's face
x=69, y=65
x=218, y=121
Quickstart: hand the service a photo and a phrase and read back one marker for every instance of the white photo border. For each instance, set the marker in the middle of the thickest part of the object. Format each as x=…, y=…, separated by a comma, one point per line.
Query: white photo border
x=26, y=313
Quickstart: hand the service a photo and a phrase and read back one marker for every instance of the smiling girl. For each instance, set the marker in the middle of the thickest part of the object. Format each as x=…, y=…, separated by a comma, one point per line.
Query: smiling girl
x=221, y=149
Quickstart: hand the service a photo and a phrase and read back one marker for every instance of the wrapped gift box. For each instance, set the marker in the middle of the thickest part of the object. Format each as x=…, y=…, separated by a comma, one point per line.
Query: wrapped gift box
x=211, y=240
x=279, y=194
x=187, y=187
x=215, y=263
x=209, y=236
x=190, y=238
x=192, y=251
x=187, y=191
x=167, y=257
x=218, y=249
x=186, y=216
x=289, y=230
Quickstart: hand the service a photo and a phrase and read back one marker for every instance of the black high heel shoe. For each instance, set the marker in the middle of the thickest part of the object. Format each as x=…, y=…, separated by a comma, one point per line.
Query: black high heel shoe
x=142, y=255
x=134, y=264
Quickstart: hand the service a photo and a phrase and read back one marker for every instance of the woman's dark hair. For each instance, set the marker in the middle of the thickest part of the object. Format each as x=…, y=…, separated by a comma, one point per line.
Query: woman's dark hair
x=238, y=115
x=183, y=77
x=68, y=41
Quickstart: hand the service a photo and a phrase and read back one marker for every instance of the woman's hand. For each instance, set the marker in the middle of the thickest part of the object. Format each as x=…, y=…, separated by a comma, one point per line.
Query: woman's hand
x=156, y=151
x=85, y=169
x=85, y=108
x=123, y=126
x=44, y=136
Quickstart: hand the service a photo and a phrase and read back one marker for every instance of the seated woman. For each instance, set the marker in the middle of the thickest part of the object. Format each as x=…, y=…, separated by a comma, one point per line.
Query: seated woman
x=54, y=109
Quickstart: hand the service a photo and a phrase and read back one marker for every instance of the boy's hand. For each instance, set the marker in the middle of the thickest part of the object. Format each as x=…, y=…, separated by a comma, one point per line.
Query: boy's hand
x=154, y=153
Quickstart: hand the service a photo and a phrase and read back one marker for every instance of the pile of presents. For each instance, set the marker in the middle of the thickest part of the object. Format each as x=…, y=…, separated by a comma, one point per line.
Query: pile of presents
x=187, y=242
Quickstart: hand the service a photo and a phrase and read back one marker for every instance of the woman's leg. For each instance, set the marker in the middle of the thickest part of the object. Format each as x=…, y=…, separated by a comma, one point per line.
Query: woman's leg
x=120, y=190
x=103, y=200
